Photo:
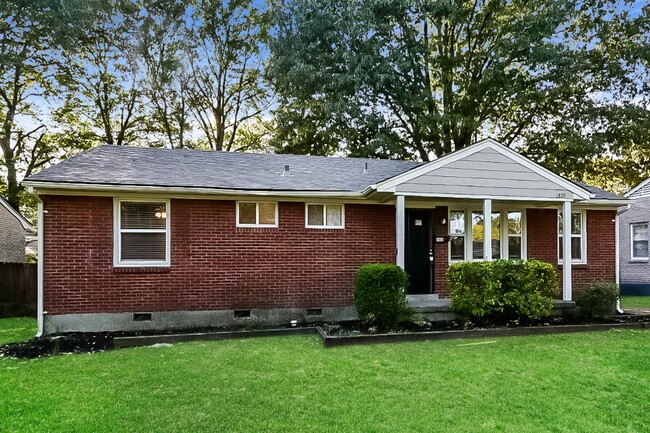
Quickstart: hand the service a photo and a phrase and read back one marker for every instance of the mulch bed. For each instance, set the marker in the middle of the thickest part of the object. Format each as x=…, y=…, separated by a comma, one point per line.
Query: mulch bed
x=88, y=342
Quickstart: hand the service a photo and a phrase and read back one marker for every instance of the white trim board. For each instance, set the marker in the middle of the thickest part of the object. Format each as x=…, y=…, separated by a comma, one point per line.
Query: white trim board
x=389, y=185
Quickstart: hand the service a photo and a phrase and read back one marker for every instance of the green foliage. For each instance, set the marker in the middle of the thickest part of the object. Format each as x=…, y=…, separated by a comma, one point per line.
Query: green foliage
x=597, y=299
x=380, y=294
x=411, y=79
x=502, y=290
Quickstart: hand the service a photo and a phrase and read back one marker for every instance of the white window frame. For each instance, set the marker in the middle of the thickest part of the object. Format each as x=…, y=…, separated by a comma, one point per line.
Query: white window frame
x=325, y=226
x=583, y=238
x=503, y=222
x=117, y=234
x=632, y=257
x=257, y=214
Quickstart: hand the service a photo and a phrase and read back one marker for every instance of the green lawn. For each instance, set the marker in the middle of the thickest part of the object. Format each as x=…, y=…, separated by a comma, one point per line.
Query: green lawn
x=17, y=329
x=635, y=301
x=593, y=382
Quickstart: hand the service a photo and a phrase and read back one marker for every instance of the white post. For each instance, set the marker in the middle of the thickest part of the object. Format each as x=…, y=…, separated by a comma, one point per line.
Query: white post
x=400, y=226
x=566, y=252
x=487, y=229
x=39, y=270
x=617, y=251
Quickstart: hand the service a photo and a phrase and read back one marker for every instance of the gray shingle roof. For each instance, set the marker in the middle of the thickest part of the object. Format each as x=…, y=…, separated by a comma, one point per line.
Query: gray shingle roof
x=600, y=194
x=117, y=165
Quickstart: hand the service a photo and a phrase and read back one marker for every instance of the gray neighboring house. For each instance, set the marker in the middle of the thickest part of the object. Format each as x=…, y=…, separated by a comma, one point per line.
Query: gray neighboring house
x=16, y=232
x=633, y=242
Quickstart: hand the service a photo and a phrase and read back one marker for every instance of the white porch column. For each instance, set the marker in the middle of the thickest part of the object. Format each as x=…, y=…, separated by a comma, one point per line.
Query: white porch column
x=400, y=226
x=566, y=253
x=487, y=229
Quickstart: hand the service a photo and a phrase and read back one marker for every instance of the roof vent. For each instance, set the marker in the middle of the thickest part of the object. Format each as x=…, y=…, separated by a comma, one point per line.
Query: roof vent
x=286, y=171
x=365, y=167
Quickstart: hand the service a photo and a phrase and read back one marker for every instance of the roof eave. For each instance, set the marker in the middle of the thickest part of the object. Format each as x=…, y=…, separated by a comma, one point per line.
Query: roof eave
x=43, y=186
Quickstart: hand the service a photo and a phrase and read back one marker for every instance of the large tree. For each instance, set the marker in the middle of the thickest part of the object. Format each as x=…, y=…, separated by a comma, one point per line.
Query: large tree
x=226, y=68
x=422, y=78
x=105, y=99
x=33, y=36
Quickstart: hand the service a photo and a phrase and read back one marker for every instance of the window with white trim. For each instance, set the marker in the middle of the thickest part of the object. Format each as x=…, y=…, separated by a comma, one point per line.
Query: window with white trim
x=142, y=233
x=467, y=234
x=324, y=216
x=257, y=214
x=639, y=241
x=578, y=237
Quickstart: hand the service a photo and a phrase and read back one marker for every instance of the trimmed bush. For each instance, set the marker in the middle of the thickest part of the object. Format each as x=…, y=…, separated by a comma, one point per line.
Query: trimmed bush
x=597, y=299
x=380, y=295
x=501, y=291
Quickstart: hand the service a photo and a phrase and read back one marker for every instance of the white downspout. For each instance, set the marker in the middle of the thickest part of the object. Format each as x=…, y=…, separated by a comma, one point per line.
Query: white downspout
x=619, y=309
x=40, y=268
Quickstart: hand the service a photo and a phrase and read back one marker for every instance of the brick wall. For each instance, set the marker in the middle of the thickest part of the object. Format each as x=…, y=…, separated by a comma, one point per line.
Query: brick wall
x=601, y=244
x=214, y=264
x=12, y=238
x=633, y=272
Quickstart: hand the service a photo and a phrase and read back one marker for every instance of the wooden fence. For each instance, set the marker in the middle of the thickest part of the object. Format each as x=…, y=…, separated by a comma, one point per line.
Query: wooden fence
x=18, y=289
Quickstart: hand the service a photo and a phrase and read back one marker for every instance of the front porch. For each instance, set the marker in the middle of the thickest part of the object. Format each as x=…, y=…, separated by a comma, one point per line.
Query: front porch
x=482, y=203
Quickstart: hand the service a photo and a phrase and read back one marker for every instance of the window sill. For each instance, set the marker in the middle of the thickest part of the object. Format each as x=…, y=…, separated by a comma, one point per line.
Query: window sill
x=645, y=260
x=141, y=269
x=324, y=227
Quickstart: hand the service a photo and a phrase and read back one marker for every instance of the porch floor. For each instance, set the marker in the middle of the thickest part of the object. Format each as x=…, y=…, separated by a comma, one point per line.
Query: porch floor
x=433, y=304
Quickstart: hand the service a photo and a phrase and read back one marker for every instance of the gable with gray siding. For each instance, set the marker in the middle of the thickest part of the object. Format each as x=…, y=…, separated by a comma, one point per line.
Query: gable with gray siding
x=486, y=172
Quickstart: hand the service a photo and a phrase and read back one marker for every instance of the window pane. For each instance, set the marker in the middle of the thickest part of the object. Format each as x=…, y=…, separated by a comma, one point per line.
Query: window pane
x=576, y=224
x=640, y=249
x=334, y=215
x=640, y=232
x=477, y=235
x=514, y=223
x=456, y=222
x=267, y=213
x=514, y=247
x=457, y=246
x=247, y=213
x=143, y=246
x=496, y=235
x=559, y=242
x=576, y=253
x=315, y=215
x=143, y=215
x=560, y=223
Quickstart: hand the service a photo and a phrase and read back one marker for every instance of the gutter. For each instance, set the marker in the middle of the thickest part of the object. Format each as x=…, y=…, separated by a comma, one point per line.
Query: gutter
x=32, y=185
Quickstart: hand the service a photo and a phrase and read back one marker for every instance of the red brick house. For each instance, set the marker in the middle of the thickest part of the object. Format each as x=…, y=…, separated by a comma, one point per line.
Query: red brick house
x=135, y=238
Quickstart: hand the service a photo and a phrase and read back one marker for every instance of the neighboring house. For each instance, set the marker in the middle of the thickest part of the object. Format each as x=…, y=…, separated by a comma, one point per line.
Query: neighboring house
x=139, y=238
x=633, y=242
x=14, y=229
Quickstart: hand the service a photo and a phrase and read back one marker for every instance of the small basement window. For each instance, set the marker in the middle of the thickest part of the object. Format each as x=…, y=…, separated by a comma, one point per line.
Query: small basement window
x=142, y=233
x=324, y=216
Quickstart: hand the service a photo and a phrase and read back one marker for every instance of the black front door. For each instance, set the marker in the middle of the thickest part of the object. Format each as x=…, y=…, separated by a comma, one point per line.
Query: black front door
x=418, y=245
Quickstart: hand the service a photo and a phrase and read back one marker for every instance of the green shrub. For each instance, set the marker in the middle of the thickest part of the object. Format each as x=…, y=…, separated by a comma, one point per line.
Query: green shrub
x=597, y=299
x=380, y=295
x=502, y=290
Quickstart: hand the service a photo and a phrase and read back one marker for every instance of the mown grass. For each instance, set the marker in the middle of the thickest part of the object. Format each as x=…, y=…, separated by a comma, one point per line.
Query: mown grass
x=595, y=382
x=635, y=301
x=17, y=329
